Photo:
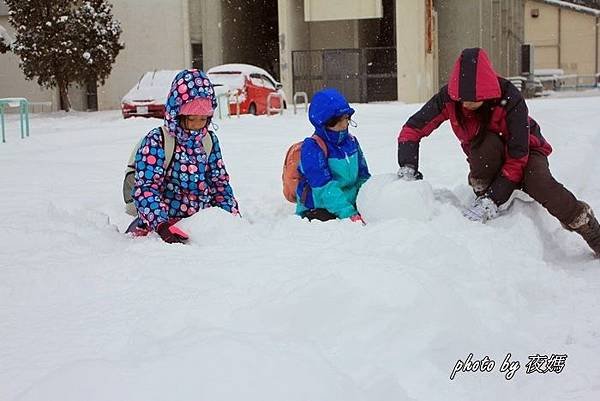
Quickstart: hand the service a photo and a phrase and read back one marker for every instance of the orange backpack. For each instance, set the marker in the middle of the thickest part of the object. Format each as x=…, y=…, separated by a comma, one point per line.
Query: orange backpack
x=291, y=176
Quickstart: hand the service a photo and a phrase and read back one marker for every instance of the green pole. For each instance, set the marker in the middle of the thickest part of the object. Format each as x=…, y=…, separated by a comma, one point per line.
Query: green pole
x=21, y=119
x=2, y=121
x=27, y=118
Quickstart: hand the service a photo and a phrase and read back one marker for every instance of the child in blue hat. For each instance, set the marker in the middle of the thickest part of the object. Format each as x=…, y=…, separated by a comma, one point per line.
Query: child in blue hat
x=332, y=163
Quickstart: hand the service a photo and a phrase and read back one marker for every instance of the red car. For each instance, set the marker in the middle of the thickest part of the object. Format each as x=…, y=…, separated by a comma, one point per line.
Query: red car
x=248, y=87
x=147, y=98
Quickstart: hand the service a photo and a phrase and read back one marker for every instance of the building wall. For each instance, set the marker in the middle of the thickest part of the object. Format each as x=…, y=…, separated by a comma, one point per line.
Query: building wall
x=333, y=34
x=292, y=36
x=319, y=10
x=416, y=69
x=543, y=32
x=578, y=47
x=195, y=17
x=156, y=36
x=212, y=33
x=496, y=26
x=563, y=38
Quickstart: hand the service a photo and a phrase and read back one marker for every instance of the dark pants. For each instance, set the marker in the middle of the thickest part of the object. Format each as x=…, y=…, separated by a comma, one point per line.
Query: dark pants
x=318, y=214
x=486, y=160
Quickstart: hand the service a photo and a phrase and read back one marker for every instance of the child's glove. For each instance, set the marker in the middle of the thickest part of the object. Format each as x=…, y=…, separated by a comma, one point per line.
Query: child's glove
x=481, y=210
x=408, y=173
x=171, y=234
x=358, y=218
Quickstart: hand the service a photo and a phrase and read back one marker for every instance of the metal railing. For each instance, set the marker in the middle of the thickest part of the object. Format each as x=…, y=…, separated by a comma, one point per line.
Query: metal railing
x=23, y=106
x=40, y=107
x=226, y=98
x=302, y=95
x=535, y=86
x=570, y=82
x=223, y=109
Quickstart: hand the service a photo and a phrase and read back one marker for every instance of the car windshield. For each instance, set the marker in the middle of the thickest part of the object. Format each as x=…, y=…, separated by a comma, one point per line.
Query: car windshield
x=161, y=79
x=231, y=80
x=152, y=87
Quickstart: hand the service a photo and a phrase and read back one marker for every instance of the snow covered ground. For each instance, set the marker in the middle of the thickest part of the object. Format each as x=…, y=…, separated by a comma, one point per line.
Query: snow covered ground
x=271, y=307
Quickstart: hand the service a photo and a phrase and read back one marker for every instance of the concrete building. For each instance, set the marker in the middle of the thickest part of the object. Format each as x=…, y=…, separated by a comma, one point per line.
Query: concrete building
x=564, y=36
x=495, y=25
x=156, y=35
x=179, y=33
x=371, y=49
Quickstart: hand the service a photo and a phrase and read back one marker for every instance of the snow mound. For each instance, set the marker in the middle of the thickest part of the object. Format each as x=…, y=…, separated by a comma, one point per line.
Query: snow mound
x=210, y=221
x=386, y=197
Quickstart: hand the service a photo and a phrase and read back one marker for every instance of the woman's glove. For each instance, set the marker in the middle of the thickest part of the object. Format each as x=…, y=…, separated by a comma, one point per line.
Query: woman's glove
x=171, y=234
x=481, y=210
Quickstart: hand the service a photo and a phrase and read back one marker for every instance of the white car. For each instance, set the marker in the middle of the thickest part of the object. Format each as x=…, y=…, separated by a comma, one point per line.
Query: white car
x=148, y=97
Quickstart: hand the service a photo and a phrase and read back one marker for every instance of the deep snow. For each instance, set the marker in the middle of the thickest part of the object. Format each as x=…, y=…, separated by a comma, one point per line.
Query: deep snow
x=271, y=307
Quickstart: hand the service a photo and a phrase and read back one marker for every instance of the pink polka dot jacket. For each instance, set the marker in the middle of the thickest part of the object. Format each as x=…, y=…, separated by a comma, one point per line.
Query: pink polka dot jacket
x=193, y=180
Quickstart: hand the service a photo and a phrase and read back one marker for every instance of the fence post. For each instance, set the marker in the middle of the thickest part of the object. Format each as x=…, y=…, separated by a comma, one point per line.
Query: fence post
x=24, y=117
x=237, y=104
x=220, y=98
x=305, y=103
x=2, y=122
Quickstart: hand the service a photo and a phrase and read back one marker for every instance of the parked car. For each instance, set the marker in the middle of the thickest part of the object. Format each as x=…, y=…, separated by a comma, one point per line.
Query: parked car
x=248, y=88
x=147, y=98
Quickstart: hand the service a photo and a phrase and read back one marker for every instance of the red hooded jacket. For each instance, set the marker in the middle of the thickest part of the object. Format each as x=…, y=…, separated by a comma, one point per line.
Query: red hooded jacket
x=473, y=79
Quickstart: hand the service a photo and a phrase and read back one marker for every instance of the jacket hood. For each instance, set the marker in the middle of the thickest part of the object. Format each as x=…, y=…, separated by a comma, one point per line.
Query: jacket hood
x=473, y=77
x=325, y=105
x=187, y=86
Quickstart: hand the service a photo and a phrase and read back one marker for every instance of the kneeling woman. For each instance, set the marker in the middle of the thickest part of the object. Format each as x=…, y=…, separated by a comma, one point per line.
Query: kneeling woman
x=504, y=146
x=332, y=163
x=196, y=177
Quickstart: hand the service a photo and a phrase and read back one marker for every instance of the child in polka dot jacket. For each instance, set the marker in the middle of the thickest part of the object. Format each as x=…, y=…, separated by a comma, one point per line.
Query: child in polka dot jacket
x=194, y=180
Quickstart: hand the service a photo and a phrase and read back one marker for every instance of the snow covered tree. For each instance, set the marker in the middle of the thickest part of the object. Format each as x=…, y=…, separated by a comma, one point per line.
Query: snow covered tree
x=62, y=41
x=97, y=40
x=5, y=40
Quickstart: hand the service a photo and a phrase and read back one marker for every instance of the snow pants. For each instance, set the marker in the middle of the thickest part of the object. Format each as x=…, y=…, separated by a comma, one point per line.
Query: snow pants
x=318, y=214
x=485, y=162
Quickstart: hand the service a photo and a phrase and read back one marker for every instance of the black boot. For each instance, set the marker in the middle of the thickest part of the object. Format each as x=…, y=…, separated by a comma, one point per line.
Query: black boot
x=137, y=228
x=587, y=226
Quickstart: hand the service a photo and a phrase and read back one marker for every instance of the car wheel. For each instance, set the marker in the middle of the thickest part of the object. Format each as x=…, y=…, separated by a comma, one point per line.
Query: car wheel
x=252, y=109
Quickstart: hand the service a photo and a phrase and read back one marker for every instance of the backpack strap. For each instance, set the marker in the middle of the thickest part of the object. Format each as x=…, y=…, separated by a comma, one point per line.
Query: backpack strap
x=168, y=146
x=321, y=143
x=323, y=147
x=207, y=143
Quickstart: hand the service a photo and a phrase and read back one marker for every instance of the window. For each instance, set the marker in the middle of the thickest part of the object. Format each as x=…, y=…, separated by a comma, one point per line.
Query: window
x=197, y=58
x=257, y=80
x=268, y=83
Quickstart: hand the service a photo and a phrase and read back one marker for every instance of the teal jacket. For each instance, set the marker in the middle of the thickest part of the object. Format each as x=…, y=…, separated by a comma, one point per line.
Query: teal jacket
x=330, y=182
